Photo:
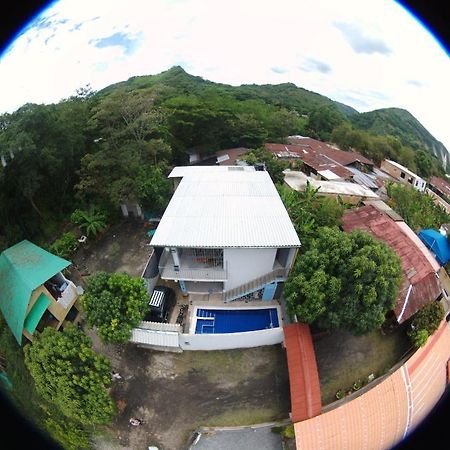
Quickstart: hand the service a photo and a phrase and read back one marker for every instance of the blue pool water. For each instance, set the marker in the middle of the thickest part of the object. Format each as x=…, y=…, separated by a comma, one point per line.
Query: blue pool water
x=235, y=320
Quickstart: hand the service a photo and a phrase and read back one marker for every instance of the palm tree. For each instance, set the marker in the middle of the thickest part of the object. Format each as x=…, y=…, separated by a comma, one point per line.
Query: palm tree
x=92, y=221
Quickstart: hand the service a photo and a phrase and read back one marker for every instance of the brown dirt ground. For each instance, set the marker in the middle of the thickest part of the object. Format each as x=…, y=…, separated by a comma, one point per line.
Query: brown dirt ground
x=174, y=393
x=122, y=248
x=343, y=358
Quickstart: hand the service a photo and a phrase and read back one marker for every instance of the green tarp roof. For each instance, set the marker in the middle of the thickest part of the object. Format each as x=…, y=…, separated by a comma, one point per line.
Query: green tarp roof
x=36, y=312
x=24, y=267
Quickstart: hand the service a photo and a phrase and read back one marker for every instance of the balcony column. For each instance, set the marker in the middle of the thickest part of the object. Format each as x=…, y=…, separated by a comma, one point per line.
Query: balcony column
x=175, y=257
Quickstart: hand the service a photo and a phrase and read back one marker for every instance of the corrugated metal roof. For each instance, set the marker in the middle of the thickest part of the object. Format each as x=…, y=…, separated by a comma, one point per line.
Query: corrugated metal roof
x=441, y=185
x=384, y=415
x=155, y=337
x=420, y=284
x=24, y=267
x=216, y=207
x=303, y=375
x=298, y=180
x=363, y=179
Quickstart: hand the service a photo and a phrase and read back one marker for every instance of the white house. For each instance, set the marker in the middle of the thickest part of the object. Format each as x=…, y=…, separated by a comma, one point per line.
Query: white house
x=403, y=174
x=225, y=231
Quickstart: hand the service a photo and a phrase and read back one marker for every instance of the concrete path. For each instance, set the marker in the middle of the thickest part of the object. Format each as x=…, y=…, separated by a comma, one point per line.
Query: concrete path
x=260, y=438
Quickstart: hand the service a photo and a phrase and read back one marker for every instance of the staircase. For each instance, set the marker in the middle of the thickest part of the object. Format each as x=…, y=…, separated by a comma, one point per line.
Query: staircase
x=254, y=285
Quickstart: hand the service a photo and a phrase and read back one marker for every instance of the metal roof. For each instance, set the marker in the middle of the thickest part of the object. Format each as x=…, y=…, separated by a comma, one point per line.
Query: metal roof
x=303, y=375
x=420, y=284
x=24, y=267
x=298, y=180
x=225, y=206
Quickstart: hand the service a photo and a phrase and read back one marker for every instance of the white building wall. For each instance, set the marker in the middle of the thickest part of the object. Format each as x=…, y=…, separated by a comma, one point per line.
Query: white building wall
x=246, y=264
x=231, y=340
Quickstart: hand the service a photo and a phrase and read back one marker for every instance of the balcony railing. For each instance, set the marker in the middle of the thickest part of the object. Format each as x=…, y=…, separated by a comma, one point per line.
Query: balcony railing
x=193, y=274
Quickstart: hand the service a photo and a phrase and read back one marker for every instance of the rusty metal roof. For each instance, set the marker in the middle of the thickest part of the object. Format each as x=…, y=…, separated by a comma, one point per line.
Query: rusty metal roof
x=420, y=284
x=303, y=375
x=229, y=156
x=388, y=412
x=441, y=185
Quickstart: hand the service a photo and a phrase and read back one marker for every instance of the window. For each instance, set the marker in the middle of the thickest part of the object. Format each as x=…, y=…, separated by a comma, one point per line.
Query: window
x=402, y=175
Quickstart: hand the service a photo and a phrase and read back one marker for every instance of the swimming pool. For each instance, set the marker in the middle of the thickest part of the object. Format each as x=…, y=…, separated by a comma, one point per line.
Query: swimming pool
x=214, y=321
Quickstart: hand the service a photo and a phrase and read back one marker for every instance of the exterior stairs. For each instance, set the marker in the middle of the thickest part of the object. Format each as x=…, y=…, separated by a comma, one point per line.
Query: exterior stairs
x=254, y=285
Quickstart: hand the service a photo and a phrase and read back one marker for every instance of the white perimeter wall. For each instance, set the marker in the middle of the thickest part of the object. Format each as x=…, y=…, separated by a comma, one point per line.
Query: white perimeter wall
x=231, y=340
x=246, y=264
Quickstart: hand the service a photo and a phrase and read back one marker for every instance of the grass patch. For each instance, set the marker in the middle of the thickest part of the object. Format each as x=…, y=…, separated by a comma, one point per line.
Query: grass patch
x=344, y=359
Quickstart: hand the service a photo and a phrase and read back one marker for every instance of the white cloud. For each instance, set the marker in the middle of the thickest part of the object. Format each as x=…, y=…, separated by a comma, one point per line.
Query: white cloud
x=237, y=42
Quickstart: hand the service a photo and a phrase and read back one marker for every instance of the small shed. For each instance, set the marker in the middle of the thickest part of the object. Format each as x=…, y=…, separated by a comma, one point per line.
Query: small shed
x=437, y=244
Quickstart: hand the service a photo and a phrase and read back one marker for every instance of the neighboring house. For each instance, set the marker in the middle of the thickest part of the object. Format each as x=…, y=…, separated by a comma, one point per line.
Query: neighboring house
x=231, y=156
x=440, y=186
x=423, y=279
x=34, y=292
x=225, y=231
x=403, y=174
x=349, y=192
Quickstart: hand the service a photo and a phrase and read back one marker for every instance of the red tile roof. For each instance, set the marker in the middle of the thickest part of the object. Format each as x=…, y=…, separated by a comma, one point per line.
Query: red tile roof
x=303, y=375
x=386, y=413
x=342, y=157
x=312, y=154
x=420, y=284
x=440, y=185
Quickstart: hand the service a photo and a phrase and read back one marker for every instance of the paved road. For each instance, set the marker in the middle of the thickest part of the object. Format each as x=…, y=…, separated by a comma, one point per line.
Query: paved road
x=242, y=439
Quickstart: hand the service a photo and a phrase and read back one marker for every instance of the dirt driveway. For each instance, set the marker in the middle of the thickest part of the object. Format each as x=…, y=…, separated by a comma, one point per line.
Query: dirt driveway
x=174, y=393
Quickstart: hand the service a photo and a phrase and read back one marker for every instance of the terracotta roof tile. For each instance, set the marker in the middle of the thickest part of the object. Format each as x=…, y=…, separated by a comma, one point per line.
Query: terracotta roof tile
x=385, y=414
x=303, y=374
x=418, y=272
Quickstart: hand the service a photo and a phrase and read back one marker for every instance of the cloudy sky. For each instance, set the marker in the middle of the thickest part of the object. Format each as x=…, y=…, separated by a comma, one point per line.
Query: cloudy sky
x=368, y=54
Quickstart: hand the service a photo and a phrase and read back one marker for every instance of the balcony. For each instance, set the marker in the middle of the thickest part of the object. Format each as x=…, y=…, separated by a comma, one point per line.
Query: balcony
x=191, y=268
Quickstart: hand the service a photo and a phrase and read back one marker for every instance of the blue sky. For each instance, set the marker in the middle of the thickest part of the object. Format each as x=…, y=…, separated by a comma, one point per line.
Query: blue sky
x=368, y=54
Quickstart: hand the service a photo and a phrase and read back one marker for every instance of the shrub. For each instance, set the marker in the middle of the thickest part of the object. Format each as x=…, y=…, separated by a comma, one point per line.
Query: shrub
x=425, y=322
x=65, y=246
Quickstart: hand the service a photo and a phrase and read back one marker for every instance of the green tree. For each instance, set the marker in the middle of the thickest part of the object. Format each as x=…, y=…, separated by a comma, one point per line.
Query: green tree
x=92, y=221
x=417, y=209
x=323, y=119
x=345, y=280
x=425, y=322
x=69, y=374
x=273, y=165
x=115, y=303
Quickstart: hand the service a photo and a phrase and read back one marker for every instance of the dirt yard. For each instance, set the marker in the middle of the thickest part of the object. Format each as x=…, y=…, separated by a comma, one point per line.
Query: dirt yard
x=174, y=393
x=342, y=358
x=122, y=248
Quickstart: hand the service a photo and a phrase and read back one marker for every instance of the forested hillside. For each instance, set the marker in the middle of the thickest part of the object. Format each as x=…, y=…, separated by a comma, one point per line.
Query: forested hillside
x=99, y=149
x=402, y=124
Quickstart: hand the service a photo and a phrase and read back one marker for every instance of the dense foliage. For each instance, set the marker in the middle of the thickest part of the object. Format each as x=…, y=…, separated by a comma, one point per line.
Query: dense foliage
x=425, y=322
x=417, y=209
x=65, y=246
x=43, y=413
x=344, y=280
x=68, y=373
x=273, y=165
x=101, y=149
x=309, y=211
x=115, y=303
x=400, y=123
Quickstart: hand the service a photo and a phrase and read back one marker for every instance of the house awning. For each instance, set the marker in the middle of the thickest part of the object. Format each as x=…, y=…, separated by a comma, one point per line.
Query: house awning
x=36, y=313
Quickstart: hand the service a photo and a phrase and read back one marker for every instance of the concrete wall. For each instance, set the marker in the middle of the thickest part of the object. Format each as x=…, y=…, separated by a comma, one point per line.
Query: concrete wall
x=231, y=340
x=396, y=172
x=246, y=264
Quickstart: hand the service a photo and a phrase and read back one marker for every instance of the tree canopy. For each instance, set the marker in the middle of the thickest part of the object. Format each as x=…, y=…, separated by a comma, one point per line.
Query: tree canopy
x=115, y=303
x=68, y=373
x=344, y=280
x=417, y=209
